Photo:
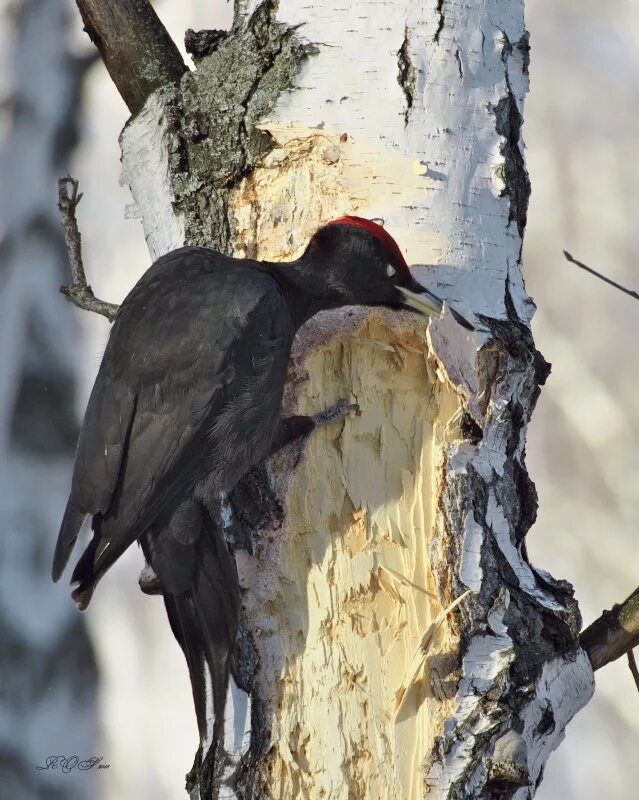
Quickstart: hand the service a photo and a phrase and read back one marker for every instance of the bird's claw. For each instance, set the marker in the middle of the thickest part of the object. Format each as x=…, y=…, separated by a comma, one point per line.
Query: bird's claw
x=334, y=412
x=330, y=414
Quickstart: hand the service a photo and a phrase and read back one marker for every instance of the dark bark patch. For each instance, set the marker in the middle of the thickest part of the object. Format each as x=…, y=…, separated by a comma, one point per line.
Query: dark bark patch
x=528, y=501
x=512, y=339
x=199, y=44
x=255, y=508
x=523, y=45
x=469, y=429
x=539, y=635
x=440, y=20
x=241, y=74
x=547, y=722
x=406, y=76
x=508, y=122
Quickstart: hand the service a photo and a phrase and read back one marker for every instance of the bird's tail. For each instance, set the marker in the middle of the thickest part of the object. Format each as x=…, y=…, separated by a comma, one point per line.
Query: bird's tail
x=99, y=556
x=69, y=529
x=201, y=594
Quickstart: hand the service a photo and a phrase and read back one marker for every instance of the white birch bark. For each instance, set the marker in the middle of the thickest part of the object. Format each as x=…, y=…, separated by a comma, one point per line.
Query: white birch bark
x=412, y=113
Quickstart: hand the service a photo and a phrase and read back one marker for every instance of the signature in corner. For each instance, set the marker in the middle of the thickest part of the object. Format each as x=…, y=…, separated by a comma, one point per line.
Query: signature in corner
x=69, y=763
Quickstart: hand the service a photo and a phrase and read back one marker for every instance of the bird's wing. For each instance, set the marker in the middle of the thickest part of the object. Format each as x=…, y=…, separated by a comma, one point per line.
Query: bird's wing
x=177, y=357
x=101, y=445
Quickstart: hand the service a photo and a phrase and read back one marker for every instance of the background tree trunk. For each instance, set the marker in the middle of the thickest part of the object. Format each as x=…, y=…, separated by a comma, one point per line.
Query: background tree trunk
x=49, y=682
x=414, y=116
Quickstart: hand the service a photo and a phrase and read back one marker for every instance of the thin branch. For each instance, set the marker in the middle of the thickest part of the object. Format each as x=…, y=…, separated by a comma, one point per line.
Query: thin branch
x=633, y=668
x=614, y=634
x=67, y=204
x=600, y=276
x=78, y=292
x=136, y=48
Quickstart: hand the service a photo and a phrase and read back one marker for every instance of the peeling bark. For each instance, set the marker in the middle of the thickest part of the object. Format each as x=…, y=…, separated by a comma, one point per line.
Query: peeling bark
x=347, y=558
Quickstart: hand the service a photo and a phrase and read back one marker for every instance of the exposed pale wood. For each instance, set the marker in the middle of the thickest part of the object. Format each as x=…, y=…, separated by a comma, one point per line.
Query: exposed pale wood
x=342, y=593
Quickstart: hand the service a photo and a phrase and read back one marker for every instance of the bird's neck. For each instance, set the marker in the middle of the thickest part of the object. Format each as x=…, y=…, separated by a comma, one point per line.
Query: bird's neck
x=303, y=290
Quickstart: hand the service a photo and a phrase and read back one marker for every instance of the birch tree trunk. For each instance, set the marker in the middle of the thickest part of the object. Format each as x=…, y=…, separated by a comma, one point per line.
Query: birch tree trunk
x=412, y=113
x=48, y=676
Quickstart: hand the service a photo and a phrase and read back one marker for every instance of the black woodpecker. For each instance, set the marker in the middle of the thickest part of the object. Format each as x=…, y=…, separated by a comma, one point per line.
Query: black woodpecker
x=187, y=400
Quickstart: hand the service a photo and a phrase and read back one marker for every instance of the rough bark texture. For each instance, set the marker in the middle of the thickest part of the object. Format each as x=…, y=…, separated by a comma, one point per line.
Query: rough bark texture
x=135, y=47
x=614, y=633
x=49, y=683
x=412, y=114
x=208, y=139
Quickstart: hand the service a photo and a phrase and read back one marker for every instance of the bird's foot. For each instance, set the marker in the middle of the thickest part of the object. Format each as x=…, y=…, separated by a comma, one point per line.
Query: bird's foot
x=334, y=412
x=331, y=414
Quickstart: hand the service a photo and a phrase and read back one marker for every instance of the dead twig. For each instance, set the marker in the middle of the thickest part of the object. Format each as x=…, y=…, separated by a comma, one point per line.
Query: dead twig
x=78, y=292
x=600, y=276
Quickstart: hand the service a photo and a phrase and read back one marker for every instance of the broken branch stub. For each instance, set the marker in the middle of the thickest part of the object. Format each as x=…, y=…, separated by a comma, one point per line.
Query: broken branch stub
x=614, y=633
x=136, y=48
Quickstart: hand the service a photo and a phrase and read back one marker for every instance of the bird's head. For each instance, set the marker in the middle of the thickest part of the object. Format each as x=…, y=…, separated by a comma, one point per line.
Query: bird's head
x=357, y=262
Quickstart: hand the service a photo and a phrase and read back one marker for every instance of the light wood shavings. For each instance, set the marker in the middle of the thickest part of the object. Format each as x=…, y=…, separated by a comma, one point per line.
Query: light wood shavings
x=403, y=579
x=419, y=659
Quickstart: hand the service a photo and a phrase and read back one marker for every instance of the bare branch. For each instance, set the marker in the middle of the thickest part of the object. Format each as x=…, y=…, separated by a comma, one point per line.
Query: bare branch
x=614, y=634
x=600, y=276
x=78, y=292
x=136, y=48
x=67, y=204
x=633, y=668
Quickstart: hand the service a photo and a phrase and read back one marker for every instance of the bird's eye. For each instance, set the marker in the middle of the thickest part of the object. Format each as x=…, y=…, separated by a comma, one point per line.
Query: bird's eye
x=390, y=270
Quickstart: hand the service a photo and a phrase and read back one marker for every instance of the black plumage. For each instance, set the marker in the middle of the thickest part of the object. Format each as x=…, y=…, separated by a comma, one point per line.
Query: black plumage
x=187, y=400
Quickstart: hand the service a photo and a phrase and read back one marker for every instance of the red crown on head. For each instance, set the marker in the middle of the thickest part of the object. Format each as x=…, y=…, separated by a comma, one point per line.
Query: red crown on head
x=391, y=248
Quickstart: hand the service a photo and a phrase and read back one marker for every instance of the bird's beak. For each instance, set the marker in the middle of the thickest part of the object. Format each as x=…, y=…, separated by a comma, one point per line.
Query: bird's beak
x=423, y=301
x=429, y=304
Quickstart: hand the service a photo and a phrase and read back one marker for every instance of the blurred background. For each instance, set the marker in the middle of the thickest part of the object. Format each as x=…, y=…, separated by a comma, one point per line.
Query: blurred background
x=59, y=112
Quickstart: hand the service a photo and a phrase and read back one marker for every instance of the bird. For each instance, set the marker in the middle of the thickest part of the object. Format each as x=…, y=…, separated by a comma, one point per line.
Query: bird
x=187, y=400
